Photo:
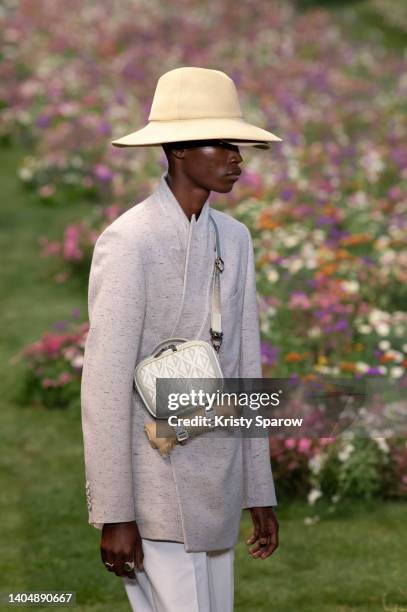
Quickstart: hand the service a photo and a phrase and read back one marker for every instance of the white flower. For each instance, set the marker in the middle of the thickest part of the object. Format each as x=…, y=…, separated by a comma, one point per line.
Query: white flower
x=377, y=316
x=295, y=265
x=364, y=329
x=313, y=495
x=316, y=462
x=396, y=371
x=25, y=174
x=384, y=345
x=382, y=444
x=382, y=369
x=290, y=241
x=346, y=452
x=318, y=236
x=77, y=361
x=311, y=520
x=272, y=275
x=360, y=199
x=362, y=367
x=404, y=348
x=350, y=286
x=314, y=332
x=383, y=329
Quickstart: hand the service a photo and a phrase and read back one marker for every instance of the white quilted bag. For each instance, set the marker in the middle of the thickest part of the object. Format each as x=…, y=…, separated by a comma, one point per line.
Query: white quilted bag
x=181, y=358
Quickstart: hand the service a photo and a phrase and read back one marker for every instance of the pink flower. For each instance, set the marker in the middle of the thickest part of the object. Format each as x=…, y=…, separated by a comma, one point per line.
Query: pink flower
x=64, y=377
x=326, y=441
x=299, y=300
x=112, y=212
x=47, y=382
x=290, y=443
x=46, y=191
x=304, y=445
x=52, y=343
x=72, y=251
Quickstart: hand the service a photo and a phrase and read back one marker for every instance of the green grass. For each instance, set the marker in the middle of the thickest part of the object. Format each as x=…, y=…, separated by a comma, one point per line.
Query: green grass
x=354, y=561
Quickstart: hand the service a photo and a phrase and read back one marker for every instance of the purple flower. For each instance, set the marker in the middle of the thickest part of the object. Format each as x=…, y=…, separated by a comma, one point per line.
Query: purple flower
x=268, y=353
x=341, y=325
x=60, y=325
x=373, y=371
x=76, y=313
x=43, y=121
x=104, y=128
x=103, y=173
x=287, y=193
x=325, y=220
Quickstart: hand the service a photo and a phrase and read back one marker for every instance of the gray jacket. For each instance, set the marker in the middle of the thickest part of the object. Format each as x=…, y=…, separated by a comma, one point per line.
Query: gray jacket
x=150, y=278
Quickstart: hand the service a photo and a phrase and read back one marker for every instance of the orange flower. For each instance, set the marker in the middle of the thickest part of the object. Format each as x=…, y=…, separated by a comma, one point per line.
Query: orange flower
x=265, y=221
x=343, y=254
x=347, y=366
x=328, y=269
x=386, y=358
x=355, y=239
x=293, y=356
x=310, y=376
x=264, y=259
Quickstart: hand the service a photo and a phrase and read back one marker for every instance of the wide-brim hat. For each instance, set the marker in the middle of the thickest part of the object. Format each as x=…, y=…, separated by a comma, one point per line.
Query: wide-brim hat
x=192, y=103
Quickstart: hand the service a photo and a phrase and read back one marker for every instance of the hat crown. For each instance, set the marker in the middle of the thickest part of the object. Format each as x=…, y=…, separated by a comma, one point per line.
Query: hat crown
x=194, y=93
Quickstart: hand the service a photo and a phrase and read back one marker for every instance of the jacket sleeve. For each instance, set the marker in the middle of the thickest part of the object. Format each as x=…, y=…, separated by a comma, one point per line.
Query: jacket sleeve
x=257, y=473
x=116, y=305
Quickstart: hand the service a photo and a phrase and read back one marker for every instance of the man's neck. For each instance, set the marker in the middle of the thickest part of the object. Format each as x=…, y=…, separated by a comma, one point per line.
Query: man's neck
x=189, y=196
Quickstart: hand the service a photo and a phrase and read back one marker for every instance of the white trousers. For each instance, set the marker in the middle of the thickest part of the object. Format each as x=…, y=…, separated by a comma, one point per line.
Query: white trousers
x=176, y=581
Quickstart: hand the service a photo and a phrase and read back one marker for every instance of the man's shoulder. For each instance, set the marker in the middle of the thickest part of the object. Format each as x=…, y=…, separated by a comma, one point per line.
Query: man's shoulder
x=130, y=227
x=230, y=225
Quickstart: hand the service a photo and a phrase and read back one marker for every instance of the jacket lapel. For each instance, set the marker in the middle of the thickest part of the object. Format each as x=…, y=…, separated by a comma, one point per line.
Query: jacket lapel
x=191, y=249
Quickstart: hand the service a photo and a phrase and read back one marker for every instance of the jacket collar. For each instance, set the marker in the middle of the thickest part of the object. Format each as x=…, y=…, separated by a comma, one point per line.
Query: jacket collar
x=196, y=229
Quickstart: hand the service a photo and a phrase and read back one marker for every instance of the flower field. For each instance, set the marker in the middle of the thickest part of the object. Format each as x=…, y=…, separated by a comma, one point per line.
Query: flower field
x=326, y=207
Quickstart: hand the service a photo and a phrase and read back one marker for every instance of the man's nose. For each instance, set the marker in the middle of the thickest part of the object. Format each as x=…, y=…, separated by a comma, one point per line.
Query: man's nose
x=235, y=156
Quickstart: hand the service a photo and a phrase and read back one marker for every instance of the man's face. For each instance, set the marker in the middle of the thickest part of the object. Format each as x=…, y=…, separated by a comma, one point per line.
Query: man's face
x=212, y=164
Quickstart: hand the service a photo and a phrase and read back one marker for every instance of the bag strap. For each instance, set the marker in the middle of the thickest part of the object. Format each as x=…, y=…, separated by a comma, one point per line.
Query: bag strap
x=216, y=318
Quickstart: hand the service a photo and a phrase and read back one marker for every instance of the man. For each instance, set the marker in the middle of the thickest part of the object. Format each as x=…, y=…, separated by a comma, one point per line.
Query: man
x=170, y=524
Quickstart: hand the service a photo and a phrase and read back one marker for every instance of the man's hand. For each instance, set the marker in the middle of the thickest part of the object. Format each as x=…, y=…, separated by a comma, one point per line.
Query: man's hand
x=121, y=542
x=265, y=532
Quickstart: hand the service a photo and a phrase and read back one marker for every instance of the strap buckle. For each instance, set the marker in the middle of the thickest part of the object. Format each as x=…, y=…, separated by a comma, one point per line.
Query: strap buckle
x=216, y=338
x=219, y=263
x=181, y=434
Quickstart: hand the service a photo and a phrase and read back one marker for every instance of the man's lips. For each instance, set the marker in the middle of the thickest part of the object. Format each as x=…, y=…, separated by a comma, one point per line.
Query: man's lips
x=234, y=175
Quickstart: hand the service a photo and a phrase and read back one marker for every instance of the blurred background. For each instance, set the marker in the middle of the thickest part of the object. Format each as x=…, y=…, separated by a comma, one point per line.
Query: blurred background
x=327, y=211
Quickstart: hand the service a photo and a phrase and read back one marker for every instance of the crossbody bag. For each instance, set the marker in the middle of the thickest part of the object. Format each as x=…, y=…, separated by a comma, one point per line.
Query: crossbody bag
x=181, y=358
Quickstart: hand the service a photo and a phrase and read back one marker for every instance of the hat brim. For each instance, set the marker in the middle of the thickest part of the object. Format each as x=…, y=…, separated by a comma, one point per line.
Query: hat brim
x=234, y=130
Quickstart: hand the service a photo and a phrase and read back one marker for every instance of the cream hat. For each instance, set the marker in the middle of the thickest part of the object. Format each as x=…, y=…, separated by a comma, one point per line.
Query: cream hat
x=192, y=103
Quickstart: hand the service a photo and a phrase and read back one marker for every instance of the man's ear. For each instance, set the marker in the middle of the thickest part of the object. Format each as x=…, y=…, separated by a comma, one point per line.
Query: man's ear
x=179, y=153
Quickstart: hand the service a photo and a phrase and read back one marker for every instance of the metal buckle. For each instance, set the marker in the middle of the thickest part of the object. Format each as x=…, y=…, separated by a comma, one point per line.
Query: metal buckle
x=165, y=348
x=216, y=339
x=219, y=264
x=181, y=433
